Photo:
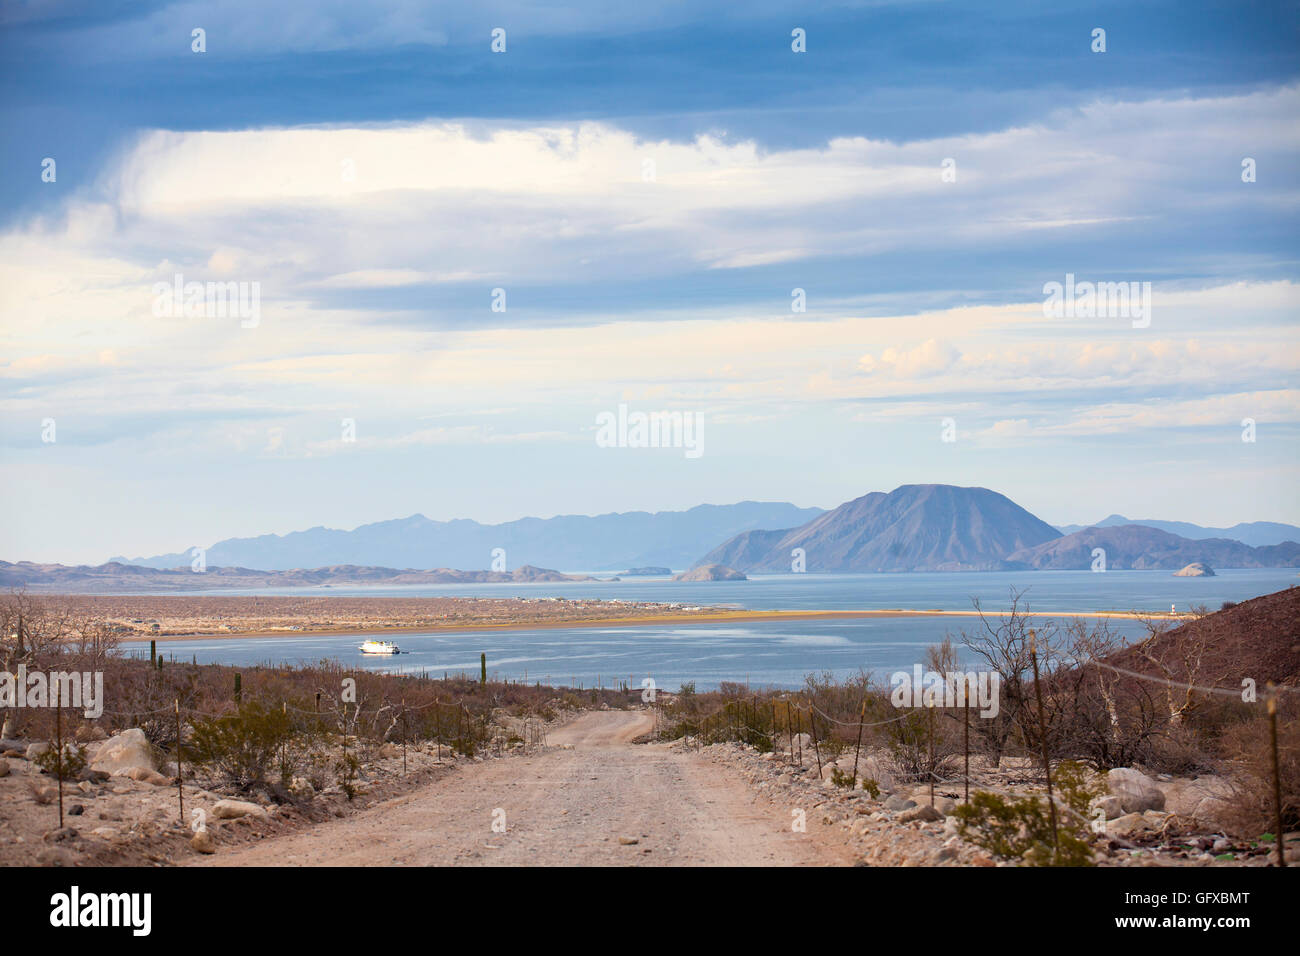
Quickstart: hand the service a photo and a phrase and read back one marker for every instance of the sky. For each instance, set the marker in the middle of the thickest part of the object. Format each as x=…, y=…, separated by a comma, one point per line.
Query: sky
x=454, y=259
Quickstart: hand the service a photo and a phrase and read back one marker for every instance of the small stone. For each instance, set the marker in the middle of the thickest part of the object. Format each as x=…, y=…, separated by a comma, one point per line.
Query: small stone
x=924, y=813
x=202, y=841
x=628, y=841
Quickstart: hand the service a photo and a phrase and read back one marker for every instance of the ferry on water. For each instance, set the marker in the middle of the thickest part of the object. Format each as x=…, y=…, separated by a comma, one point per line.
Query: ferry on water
x=380, y=647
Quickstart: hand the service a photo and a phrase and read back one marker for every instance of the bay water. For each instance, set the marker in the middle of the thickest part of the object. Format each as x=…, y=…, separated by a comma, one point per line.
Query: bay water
x=760, y=653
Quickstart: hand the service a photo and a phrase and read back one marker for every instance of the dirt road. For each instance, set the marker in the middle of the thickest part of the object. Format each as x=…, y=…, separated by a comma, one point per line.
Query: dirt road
x=567, y=807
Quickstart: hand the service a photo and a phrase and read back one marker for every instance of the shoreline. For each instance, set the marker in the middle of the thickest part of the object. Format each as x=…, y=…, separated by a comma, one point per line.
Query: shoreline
x=637, y=621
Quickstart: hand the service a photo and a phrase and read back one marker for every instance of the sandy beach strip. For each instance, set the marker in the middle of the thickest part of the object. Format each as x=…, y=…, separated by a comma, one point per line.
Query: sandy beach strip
x=709, y=617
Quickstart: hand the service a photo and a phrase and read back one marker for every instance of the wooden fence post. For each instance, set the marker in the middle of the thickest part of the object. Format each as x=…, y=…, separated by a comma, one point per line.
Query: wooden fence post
x=58, y=754
x=862, y=719
x=966, y=748
x=180, y=774
x=1042, y=732
x=1277, y=777
x=812, y=725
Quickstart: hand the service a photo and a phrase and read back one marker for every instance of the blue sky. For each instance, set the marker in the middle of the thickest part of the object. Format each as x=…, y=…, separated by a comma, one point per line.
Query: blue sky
x=469, y=170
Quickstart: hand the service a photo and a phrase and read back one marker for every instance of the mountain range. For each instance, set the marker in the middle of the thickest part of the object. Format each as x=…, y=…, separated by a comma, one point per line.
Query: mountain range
x=912, y=528
x=591, y=543
x=946, y=528
x=1254, y=533
x=115, y=577
x=1138, y=547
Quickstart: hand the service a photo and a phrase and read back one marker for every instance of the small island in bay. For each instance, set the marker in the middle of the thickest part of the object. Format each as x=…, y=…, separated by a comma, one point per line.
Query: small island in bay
x=711, y=572
x=1197, y=569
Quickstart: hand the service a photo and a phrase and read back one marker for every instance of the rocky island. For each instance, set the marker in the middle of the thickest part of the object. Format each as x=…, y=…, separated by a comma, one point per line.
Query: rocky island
x=711, y=572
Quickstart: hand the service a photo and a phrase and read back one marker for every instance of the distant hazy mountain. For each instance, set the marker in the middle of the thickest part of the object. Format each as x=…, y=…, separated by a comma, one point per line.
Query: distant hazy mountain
x=1139, y=547
x=1254, y=533
x=913, y=528
x=572, y=542
x=115, y=577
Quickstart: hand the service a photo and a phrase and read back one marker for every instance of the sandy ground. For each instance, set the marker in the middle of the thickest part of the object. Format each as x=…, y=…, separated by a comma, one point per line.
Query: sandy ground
x=575, y=803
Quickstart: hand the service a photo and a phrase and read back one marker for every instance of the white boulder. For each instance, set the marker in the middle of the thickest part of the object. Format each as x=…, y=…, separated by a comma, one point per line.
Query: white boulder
x=123, y=751
x=1136, y=791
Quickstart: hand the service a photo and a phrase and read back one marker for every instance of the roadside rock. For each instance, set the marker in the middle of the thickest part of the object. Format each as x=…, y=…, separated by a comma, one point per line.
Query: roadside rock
x=87, y=733
x=234, y=809
x=924, y=813
x=1200, y=802
x=1137, y=824
x=1136, y=791
x=145, y=776
x=897, y=803
x=4, y=767
x=122, y=751
x=1110, y=805
x=36, y=750
x=869, y=768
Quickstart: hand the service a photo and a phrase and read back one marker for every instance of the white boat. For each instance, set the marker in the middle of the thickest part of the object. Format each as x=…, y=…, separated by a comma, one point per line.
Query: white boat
x=380, y=647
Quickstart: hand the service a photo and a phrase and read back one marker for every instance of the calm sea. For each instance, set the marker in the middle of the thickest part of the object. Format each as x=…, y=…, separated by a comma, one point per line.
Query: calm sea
x=763, y=653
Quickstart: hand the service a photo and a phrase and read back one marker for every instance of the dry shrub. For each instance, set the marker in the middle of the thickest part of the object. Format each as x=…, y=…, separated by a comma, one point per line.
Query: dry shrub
x=1179, y=750
x=1250, y=811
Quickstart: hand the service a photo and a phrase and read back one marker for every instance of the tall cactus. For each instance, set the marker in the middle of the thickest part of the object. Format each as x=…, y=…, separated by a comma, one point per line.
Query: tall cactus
x=482, y=668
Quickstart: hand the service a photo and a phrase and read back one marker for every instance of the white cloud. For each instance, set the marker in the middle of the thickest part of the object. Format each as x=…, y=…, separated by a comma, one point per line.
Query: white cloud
x=435, y=204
